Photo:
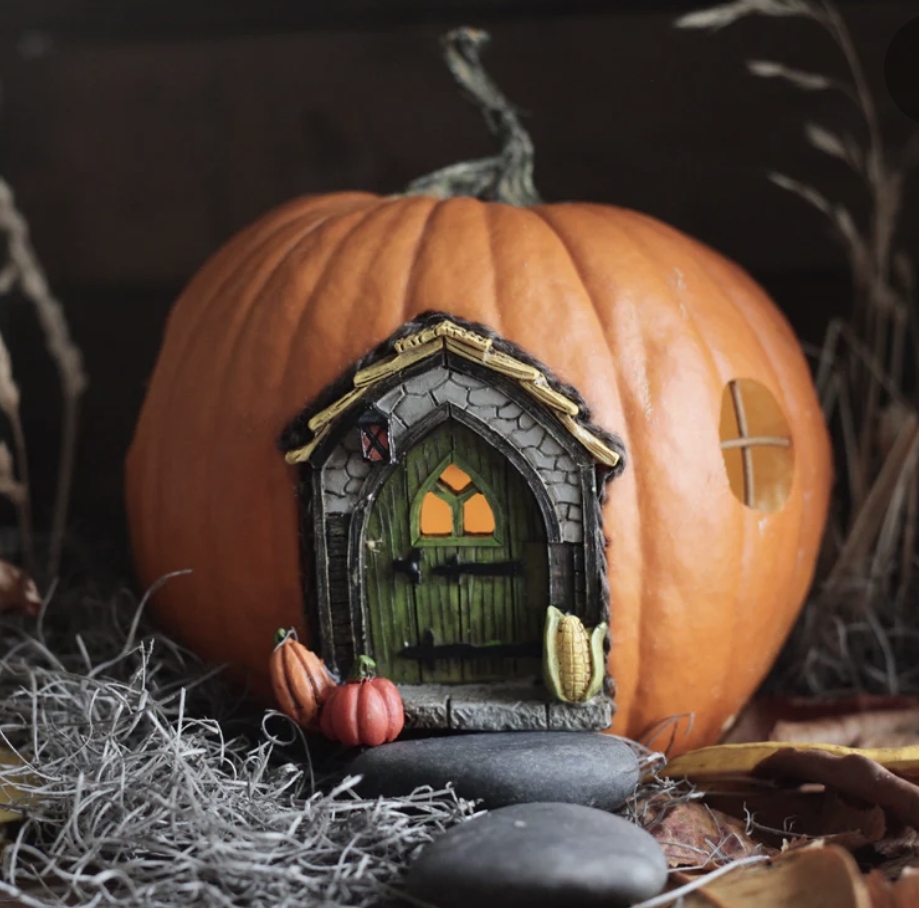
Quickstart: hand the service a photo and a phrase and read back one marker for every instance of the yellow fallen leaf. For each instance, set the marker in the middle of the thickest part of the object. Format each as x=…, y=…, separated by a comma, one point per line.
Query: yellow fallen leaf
x=814, y=877
x=9, y=793
x=727, y=761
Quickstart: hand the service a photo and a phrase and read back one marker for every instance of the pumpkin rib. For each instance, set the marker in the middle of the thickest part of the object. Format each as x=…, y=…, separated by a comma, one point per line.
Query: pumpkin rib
x=224, y=357
x=648, y=642
x=335, y=255
x=263, y=265
x=251, y=311
x=801, y=450
x=392, y=706
x=737, y=578
x=155, y=405
x=710, y=264
x=194, y=467
x=545, y=214
x=531, y=253
x=394, y=248
x=281, y=530
x=652, y=255
x=350, y=734
x=554, y=216
x=274, y=226
x=645, y=643
x=489, y=212
x=810, y=473
x=323, y=307
x=373, y=716
x=698, y=256
x=412, y=276
x=283, y=691
x=285, y=380
x=280, y=374
x=456, y=233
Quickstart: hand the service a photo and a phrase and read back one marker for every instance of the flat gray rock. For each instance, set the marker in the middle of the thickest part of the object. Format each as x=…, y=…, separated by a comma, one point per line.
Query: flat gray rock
x=500, y=768
x=539, y=856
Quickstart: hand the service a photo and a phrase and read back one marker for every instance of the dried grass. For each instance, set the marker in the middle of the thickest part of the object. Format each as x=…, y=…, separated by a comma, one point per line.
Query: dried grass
x=23, y=271
x=859, y=630
x=137, y=792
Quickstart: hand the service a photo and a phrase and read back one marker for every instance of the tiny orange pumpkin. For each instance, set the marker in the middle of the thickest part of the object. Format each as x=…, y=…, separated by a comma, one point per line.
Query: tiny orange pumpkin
x=300, y=679
x=364, y=710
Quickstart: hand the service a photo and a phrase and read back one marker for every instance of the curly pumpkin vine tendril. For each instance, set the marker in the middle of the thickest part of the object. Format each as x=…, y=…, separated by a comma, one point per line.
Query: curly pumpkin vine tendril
x=508, y=175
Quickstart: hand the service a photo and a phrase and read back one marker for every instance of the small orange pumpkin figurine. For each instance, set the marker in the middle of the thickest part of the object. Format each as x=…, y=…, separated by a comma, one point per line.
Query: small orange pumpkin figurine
x=364, y=710
x=300, y=679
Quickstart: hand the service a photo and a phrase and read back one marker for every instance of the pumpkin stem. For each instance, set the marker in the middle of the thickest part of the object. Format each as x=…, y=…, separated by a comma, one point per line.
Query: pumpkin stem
x=506, y=177
x=364, y=669
x=281, y=636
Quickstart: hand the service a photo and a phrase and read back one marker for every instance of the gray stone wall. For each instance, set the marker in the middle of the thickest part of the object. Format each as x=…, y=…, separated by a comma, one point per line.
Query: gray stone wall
x=345, y=470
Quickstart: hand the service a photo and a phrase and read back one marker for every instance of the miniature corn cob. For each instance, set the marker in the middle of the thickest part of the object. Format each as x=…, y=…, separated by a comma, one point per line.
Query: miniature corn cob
x=573, y=659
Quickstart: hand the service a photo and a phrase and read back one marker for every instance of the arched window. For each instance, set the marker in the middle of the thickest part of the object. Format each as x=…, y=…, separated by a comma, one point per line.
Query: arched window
x=756, y=445
x=453, y=507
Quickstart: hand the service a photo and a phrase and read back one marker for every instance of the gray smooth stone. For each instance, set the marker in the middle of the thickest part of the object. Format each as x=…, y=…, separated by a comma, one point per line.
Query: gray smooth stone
x=502, y=768
x=540, y=856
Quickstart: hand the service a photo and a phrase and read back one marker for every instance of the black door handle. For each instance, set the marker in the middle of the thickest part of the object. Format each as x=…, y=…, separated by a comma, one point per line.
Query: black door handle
x=453, y=569
x=410, y=565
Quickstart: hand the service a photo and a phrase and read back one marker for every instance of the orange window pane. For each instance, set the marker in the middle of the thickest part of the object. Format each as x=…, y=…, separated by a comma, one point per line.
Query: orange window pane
x=478, y=517
x=436, y=516
x=756, y=444
x=453, y=477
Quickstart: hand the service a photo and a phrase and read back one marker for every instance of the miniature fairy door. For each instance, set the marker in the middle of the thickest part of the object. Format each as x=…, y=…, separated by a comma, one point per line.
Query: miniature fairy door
x=456, y=565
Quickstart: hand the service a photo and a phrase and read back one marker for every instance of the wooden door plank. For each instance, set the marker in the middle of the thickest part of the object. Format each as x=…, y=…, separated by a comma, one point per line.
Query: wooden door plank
x=436, y=605
x=389, y=597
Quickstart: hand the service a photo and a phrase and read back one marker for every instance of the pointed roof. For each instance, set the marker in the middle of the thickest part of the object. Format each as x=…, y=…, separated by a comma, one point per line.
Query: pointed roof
x=426, y=337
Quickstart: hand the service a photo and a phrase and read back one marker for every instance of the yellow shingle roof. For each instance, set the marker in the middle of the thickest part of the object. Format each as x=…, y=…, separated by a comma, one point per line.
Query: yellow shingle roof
x=447, y=335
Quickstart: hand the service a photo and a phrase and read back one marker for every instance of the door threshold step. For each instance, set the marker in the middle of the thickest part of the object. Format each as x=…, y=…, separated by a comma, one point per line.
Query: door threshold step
x=523, y=705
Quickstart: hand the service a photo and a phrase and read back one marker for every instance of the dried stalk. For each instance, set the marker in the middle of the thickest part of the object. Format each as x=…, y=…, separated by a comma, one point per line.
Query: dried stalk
x=16, y=488
x=856, y=631
x=10, y=487
x=24, y=270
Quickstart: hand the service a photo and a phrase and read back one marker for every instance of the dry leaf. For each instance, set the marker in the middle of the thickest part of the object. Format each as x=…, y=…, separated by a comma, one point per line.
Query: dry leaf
x=846, y=149
x=852, y=774
x=808, y=193
x=716, y=17
x=732, y=761
x=808, y=81
x=903, y=893
x=18, y=592
x=888, y=728
x=807, y=878
x=694, y=835
x=759, y=718
x=896, y=853
x=781, y=817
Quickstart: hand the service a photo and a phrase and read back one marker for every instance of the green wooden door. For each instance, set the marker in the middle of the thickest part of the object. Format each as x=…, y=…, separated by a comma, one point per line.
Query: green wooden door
x=456, y=565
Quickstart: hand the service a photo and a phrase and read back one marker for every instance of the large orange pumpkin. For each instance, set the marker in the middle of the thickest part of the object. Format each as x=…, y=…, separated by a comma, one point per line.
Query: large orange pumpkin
x=656, y=331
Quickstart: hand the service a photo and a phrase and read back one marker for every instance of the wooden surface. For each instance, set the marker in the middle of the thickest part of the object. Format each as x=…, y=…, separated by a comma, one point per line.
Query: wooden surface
x=143, y=19
x=137, y=150
x=135, y=160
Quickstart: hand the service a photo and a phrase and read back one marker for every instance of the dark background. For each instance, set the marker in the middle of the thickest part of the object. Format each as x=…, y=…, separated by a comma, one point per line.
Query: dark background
x=140, y=134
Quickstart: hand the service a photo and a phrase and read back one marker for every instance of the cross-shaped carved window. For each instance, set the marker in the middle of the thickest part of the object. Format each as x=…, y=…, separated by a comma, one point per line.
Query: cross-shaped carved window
x=756, y=445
